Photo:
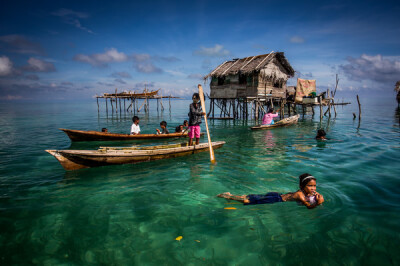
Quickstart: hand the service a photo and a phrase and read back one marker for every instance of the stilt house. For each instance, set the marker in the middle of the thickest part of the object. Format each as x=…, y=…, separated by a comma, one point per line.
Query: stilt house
x=254, y=76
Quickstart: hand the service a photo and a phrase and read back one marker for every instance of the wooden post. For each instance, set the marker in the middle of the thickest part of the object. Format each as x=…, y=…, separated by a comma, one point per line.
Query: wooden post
x=124, y=104
x=169, y=102
x=116, y=101
x=320, y=107
x=98, y=108
x=119, y=105
x=334, y=107
x=106, y=107
x=234, y=109
x=359, y=108
x=256, y=110
x=213, y=107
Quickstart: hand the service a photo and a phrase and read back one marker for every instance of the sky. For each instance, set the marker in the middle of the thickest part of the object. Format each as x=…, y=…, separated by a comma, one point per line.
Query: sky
x=70, y=50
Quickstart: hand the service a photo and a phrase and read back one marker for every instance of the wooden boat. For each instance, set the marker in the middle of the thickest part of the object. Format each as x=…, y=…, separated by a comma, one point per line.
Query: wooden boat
x=78, y=159
x=130, y=94
x=281, y=123
x=83, y=135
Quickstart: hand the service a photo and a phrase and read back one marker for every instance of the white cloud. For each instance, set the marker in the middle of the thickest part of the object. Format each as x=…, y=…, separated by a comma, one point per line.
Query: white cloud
x=141, y=57
x=109, y=56
x=72, y=18
x=296, y=39
x=147, y=67
x=37, y=65
x=217, y=51
x=63, y=12
x=175, y=73
x=20, y=44
x=375, y=68
x=196, y=76
x=121, y=75
x=6, y=66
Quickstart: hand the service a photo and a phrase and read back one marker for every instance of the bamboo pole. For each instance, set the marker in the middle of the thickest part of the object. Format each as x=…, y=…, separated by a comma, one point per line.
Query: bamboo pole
x=106, y=107
x=203, y=106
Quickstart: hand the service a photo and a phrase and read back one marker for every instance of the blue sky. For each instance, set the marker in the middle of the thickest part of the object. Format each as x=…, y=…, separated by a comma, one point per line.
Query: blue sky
x=75, y=50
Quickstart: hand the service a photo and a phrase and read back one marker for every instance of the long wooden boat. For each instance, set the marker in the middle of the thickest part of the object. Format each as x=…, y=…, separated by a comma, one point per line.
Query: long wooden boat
x=130, y=94
x=281, y=123
x=78, y=159
x=83, y=135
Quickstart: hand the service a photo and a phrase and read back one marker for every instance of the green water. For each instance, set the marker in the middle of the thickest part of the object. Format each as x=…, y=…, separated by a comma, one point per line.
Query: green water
x=131, y=214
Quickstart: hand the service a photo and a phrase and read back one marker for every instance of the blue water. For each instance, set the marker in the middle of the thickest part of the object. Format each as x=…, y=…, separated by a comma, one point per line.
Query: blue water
x=132, y=214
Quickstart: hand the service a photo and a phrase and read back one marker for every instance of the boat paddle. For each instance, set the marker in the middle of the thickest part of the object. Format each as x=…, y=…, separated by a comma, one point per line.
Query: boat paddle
x=203, y=107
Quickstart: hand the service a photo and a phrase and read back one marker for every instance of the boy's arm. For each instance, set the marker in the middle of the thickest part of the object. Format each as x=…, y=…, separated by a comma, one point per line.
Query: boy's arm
x=320, y=198
x=300, y=197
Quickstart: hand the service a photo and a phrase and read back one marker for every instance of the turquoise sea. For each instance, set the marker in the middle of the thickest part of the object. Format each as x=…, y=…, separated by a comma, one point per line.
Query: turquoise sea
x=132, y=214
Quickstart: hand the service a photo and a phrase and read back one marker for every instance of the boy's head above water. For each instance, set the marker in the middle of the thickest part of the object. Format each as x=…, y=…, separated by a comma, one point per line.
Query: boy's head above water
x=308, y=183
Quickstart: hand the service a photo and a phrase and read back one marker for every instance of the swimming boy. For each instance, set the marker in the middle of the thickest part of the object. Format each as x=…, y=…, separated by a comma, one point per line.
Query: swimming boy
x=135, y=128
x=321, y=134
x=164, y=129
x=306, y=195
x=195, y=114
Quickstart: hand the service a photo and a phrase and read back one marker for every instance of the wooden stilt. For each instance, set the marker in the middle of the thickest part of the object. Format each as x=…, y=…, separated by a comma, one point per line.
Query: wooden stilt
x=359, y=108
x=116, y=102
x=106, y=107
x=98, y=108
x=320, y=107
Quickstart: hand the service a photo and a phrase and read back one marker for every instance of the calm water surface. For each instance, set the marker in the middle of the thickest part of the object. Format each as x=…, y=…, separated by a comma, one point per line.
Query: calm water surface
x=131, y=214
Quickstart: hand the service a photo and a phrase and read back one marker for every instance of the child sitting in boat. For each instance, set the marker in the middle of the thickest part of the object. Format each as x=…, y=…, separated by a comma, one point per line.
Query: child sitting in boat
x=195, y=114
x=135, y=128
x=268, y=117
x=164, y=129
x=185, y=125
x=306, y=195
x=179, y=129
x=321, y=134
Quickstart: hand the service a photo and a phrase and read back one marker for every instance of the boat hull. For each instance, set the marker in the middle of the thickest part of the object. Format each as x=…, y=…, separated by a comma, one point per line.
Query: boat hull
x=78, y=159
x=281, y=123
x=82, y=135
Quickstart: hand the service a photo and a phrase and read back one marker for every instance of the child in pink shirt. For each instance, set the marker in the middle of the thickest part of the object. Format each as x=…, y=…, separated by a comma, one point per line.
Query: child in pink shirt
x=268, y=117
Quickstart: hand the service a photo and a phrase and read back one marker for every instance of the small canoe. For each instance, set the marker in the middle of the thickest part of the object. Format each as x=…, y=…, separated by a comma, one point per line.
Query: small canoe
x=78, y=159
x=82, y=135
x=281, y=123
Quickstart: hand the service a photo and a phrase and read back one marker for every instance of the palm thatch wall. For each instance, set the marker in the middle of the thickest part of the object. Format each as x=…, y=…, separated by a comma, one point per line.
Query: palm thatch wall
x=251, y=76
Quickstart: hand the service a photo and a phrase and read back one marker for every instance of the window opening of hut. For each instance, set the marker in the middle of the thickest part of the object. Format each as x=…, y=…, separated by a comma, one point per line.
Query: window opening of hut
x=221, y=80
x=278, y=84
x=242, y=79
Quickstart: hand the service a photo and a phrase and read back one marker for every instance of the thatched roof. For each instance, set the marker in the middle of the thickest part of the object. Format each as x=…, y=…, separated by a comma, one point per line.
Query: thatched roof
x=251, y=64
